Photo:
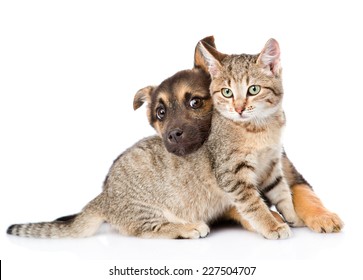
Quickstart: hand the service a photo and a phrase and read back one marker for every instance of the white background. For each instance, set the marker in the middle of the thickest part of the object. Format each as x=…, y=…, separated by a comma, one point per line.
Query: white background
x=68, y=74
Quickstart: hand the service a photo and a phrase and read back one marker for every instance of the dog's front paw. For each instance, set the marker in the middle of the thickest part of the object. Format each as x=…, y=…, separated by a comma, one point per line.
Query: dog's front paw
x=326, y=222
x=282, y=231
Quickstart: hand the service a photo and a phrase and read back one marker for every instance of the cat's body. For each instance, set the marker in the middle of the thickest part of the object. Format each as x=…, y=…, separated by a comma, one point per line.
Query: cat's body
x=250, y=166
x=247, y=91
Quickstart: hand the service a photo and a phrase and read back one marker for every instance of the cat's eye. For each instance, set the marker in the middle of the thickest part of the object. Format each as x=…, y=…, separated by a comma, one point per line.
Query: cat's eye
x=160, y=112
x=196, y=103
x=253, y=90
x=227, y=93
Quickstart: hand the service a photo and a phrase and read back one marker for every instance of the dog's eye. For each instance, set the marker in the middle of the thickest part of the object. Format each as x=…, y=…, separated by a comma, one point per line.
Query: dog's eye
x=196, y=103
x=160, y=113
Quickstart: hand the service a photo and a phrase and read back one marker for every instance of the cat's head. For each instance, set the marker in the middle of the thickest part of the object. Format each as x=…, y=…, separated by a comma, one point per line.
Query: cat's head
x=244, y=87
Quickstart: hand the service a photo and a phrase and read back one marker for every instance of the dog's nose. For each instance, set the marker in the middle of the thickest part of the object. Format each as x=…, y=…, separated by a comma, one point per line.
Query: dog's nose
x=175, y=135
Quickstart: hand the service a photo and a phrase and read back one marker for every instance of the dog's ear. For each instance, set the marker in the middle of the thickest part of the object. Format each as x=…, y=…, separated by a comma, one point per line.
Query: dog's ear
x=207, y=57
x=210, y=41
x=198, y=58
x=142, y=96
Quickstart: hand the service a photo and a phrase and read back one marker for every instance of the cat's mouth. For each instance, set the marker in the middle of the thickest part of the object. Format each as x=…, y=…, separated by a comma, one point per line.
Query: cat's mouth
x=245, y=115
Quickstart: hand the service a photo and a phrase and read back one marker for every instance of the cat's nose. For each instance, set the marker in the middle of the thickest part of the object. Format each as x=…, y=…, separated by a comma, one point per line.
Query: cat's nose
x=239, y=109
x=175, y=135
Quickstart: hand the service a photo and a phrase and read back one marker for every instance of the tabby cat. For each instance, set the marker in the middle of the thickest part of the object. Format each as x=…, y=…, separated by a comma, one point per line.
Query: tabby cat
x=150, y=192
x=247, y=96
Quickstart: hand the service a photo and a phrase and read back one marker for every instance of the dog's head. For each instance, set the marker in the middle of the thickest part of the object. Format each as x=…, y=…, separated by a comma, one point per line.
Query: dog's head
x=180, y=110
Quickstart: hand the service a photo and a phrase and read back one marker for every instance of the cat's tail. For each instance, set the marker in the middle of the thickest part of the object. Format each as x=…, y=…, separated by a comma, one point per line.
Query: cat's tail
x=83, y=224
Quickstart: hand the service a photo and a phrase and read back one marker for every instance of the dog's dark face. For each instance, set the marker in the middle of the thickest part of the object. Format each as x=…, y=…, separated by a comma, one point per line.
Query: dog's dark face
x=180, y=110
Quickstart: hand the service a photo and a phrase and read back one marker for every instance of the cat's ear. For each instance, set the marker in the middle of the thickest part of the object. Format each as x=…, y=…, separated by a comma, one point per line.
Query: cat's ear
x=142, y=96
x=269, y=57
x=207, y=57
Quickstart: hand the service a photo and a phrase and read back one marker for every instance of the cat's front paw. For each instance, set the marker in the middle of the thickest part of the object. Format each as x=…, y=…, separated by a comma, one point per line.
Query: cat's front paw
x=196, y=231
x=295, y=222
x=291, y=218
x=326, y=222
x=282, y=231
